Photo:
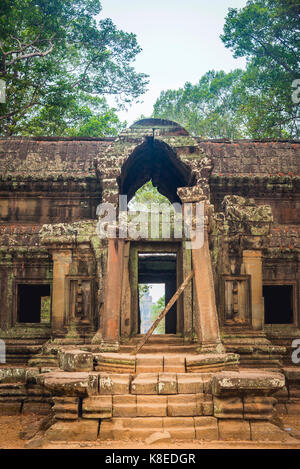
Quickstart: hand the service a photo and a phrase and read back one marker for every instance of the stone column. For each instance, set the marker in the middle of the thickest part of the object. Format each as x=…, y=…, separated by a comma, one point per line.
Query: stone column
x=113, y=289
x=207, y=324
x=252, y=265
x=62, y=260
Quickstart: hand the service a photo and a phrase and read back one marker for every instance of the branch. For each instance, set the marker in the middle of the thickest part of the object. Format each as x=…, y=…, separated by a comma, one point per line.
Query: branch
x=37, y=53
x=275, y=56
x=84, y=72
x=33, y=102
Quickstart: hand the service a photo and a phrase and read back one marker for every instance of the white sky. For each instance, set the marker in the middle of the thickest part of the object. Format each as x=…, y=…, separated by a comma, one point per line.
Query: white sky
x=180, y=42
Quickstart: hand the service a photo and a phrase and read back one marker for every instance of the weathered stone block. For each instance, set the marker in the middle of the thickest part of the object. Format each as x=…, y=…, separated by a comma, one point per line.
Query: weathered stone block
x=174, y=364
x=228, y=407
x=158, y=437
x=206, y=428
x=115, y=362
x=180, y=428
x=96, y=407
x=77, y=430
x=124, y=405
x=266, y=431
x=75, y=360
x=167, y=383
x=114, y=383
x=247, y=382
x=13, y=374
x=145, y=384
x=234, y=430
x=149, y=363
x=211, y=362
x=130, y=428
x=65, y=384
x=188, y=383
x=207, y=404
x=93, y=384
x=12, y=389
x=258, y=407
x=66, y=408
x=185, y=405
x=151, y=406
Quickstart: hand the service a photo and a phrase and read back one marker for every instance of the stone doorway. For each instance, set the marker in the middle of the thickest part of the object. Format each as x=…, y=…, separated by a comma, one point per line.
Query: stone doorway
x=157, y=283
x=158, y=262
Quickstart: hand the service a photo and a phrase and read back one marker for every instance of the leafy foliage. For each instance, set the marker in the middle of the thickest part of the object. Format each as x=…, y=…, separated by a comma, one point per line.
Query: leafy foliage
x=157, y=308
x=253, y=103
x=207, y=109
x=144, y=289
x=56, y=58
x=266, y=32
x=145, y=196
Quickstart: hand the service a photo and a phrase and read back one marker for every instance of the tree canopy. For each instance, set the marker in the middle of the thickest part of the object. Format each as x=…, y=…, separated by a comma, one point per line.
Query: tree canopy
x=145, y=196
x=207, y=109
x=253, y=103
x=266, y=32
x=59, y=61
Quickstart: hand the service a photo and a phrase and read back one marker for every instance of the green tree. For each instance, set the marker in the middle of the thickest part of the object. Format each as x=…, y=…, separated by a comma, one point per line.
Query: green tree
x=253, y=103
x=55, y=56
x=207, y=109
x=87, y=116
x=144, y=289
x=266, y=32
x=147, y=195
x=157, y=308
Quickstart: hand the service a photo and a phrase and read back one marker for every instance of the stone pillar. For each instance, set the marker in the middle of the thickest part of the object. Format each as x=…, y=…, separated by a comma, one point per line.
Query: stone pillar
x=62, y=260
x=113, y=289
x=207, y=324
x=252, y=265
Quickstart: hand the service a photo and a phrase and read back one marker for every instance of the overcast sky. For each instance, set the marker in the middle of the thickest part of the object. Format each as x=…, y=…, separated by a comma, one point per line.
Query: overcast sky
x=180, y=42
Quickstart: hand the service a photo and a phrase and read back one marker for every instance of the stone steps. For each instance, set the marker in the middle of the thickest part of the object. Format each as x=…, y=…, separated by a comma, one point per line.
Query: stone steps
x=168, y=343
x=159, y=338
x=160, y=348
x=91, y=405
x=140, y=428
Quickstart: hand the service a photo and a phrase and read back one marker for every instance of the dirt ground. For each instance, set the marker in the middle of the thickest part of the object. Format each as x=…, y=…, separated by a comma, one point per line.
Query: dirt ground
x=10, y=427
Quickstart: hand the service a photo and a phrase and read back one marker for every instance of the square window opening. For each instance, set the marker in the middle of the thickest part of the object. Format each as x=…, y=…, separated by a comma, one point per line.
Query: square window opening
x=278, y=301
x=34, y=303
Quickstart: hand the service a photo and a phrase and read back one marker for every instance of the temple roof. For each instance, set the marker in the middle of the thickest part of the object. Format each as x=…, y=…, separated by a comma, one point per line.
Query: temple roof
x=42, y=157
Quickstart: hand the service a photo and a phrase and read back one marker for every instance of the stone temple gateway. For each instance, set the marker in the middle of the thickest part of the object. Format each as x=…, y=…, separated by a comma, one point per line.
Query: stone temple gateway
x=227, y=365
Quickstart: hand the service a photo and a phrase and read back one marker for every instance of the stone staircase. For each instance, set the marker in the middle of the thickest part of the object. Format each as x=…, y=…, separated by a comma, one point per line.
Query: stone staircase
x=187, y=396
x=162, y=395
x=169, y=343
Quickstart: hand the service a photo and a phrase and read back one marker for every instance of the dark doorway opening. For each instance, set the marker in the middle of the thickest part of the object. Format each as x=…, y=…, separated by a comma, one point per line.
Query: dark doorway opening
x=278, y=304
x=34, y=303
x=155, y=161
x=159, y=270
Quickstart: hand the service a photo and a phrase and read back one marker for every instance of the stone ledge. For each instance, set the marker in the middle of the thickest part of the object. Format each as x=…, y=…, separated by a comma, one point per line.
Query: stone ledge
x=247, y=382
